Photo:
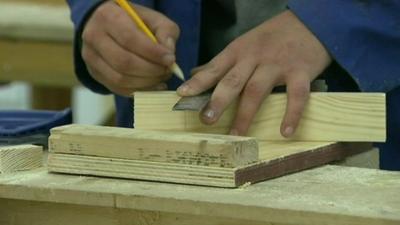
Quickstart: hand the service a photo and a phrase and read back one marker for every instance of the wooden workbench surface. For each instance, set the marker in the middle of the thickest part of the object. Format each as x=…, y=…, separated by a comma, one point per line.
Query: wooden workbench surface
x=325, y=195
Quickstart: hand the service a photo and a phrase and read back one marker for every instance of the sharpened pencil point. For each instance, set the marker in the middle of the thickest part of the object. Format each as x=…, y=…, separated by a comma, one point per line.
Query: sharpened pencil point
x=177, y=71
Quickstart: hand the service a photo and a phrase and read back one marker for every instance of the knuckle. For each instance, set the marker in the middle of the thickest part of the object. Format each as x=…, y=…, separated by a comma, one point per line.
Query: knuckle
x=232, y=80
x=175, y=28
x=126, y=38
x=214, y=68
x=101, y=13
x=86, y=55
x=123, y=64
x=118, y=81
x=254, y=90
x=200, y=83
x=88, y=35
x=236, y=44
x=196, y=81
x=300, y=91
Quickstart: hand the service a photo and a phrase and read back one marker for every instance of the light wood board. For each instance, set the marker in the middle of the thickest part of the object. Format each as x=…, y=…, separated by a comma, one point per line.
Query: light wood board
x=155, y=146
x=327, y=117
x=20, y=157
x=329, y=195
x=276, y=159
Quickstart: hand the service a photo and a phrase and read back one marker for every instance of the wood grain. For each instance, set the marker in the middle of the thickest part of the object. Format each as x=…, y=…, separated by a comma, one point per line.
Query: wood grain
x=20, y=157
x=284, y=158
x=155, y=146
x=327, y=117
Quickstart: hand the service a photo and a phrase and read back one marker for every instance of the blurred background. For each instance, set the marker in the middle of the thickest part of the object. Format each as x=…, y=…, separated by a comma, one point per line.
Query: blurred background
x=36, y=65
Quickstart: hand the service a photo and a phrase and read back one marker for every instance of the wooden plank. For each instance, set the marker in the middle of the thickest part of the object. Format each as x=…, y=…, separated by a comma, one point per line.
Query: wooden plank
x=20, y=157
x=330, y=195
x=278, y=159
x=141, y=170
x=154, y=146
x=327, y=117
x=44, y=22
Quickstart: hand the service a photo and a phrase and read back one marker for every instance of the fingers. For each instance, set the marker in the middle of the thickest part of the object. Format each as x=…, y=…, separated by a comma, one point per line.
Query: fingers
x=114, y=81
x=206, y=77
x=227, y=90
x=119, y=55
x=123, y=61
x=257, y=88
x=118, y=24
x=167, y=33
x=128, y=36
x=298, y=91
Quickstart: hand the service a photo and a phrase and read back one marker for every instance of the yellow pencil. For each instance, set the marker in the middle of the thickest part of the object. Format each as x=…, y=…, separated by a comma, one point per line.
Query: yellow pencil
x=139, y=22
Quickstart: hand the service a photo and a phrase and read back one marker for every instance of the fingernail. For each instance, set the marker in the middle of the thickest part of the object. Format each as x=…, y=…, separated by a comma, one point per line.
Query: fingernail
x=170, y=43
x=234, y=132
x=288, y=131
x=183, y=89
x=209, y=114
x=168, y=59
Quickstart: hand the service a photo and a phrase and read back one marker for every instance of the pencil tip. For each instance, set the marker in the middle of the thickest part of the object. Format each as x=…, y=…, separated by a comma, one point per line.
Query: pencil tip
x=178, y=71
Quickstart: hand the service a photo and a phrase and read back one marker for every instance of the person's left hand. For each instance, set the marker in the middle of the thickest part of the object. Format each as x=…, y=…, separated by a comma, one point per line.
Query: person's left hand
x=281, y=51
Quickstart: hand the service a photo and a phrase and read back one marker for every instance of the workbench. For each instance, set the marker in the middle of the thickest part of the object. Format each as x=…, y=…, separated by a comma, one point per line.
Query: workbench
x=325, y=195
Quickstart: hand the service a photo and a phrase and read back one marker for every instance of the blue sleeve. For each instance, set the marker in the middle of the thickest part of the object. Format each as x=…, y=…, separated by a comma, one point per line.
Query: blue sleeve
x=80, y=12
x=363, y=37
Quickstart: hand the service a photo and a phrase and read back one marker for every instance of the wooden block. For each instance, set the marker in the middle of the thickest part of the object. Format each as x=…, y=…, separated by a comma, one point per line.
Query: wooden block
x=155, y=146
x=276, y=159
x=367, y=159
x=327, y=117
x=20, y=157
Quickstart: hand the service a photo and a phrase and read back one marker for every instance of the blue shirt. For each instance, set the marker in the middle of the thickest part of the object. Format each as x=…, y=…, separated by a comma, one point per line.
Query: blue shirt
x=362, y=36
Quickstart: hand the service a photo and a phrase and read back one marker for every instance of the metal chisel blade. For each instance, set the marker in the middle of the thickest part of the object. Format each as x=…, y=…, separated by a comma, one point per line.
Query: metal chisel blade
x=192, y=103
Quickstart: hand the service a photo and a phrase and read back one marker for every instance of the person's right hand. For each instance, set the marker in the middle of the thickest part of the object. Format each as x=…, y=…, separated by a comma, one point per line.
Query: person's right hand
x=120, y=56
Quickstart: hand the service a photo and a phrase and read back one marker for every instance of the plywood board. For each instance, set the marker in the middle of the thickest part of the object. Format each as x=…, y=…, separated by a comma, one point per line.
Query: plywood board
x=20, y=157
x=155, y=146
x=276, y=159
x=327, y=117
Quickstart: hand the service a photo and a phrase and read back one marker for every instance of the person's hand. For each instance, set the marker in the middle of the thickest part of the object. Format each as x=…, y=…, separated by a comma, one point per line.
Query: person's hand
x=281, y=51
x=120, y=56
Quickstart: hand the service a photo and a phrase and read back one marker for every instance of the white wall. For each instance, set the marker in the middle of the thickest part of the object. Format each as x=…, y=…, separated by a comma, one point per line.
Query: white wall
x=88, y=107
x=15, y=96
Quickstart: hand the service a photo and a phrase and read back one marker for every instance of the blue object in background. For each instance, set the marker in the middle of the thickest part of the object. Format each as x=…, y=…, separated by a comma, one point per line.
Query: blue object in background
x=20, y=126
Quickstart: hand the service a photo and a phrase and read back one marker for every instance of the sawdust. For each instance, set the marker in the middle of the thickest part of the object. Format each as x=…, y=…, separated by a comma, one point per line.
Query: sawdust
x=244, y=186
